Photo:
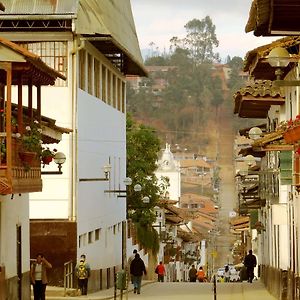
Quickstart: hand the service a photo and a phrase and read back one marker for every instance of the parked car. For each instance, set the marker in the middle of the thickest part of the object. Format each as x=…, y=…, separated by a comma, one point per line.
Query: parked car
x=220, y=273
x=234, y=274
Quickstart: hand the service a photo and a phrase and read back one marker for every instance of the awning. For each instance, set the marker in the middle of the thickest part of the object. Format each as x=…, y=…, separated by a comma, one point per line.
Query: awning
x=255, y=62
x=255, y=99
x=274, y=17
x=107, y=24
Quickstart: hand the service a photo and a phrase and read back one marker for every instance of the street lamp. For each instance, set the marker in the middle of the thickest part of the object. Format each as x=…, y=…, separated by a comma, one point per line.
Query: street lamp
x=106, y=169
x=59, y=159
x=279, y=58
x=255, y=133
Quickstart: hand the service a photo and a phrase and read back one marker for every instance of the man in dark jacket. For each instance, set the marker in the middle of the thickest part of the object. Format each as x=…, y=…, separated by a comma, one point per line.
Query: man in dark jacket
x=137, y=269
x=193, y=274
x=250, y=264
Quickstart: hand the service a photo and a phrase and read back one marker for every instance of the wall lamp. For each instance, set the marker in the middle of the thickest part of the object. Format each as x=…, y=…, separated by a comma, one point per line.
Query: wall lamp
x=127, y=181
x=106, y=170
x=279, y=58
x=59, y=158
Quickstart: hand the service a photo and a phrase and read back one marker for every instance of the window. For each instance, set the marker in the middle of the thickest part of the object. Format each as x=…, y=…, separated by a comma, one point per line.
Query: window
x=54, y=54
x=115, y=229
x=114, y=88
x=97, y=234
x=82, y=240
x=90, y=74
x=109, y=87
x=104, y=80
x=82, y=73
x=90, y=237
x=97, y=78
x=123, y=97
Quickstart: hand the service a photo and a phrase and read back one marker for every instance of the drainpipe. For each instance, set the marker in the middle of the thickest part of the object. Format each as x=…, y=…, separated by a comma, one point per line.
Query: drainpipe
x=74, y=152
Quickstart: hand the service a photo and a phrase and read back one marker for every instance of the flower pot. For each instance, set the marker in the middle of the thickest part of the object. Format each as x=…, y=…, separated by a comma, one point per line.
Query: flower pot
x=47, y=160
x=27, y=157
x=292, y=135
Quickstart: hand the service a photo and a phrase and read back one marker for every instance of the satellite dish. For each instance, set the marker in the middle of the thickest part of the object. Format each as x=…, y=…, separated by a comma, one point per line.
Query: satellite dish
x=255, y=133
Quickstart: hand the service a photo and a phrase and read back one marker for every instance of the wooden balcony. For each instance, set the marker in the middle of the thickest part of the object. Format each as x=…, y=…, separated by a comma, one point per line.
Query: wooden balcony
x=21, y=177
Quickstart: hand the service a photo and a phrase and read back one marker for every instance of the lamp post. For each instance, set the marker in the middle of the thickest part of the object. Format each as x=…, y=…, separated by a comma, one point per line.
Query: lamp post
x=59, y=159
x=106, y=170
x=279, y=58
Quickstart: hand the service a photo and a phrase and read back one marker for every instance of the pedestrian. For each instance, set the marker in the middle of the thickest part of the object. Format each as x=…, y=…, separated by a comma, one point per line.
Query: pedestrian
x=82, y=271
x=38, y=274
x=250, y=264
x=193, y=274
x=137, y=269
x=160, y=271
x=130, y=259
x=227, y=274
x=201, y=275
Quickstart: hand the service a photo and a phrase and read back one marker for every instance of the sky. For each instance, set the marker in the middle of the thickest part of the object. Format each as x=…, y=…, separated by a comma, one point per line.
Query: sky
x=158, y=21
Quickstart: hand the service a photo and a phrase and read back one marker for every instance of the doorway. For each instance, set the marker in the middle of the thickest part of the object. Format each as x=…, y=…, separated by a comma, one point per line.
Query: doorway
x=19, y=260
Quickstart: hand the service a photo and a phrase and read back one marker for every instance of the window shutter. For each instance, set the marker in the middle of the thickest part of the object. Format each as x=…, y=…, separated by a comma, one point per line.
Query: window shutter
x=286, y=167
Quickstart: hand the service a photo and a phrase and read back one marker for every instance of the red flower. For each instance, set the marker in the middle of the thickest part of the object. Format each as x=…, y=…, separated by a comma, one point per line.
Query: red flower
x=297, y=151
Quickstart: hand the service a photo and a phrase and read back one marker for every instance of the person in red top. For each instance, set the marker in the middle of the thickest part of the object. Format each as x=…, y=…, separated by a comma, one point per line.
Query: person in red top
x=160, y=271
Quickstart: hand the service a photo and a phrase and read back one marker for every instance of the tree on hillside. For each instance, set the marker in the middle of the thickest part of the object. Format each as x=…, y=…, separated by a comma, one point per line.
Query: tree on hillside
x=201, y=40
x=157, y=61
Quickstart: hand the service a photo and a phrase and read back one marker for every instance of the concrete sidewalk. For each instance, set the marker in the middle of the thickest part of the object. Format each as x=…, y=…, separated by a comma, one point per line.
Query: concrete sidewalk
x=55, y=293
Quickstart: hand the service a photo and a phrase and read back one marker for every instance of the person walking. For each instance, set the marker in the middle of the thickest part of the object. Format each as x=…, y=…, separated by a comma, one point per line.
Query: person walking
x=193, y=274
x=227, y=274
x=82, y=271
x=250, y=264
x=137, y=269
x=160, y=271
x=130, y=259
x=201, y=275
x=38, y=274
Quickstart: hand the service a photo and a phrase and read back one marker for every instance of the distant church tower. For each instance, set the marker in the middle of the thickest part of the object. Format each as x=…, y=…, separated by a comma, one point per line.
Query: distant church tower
x=168, y=167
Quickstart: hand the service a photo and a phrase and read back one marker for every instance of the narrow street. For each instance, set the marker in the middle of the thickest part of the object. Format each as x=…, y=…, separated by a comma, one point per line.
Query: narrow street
x=203, y=291
x=179, y=291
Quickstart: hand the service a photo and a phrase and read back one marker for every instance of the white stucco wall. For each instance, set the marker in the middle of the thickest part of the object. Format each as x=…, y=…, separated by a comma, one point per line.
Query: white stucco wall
x=175, y=184
x=14, y=212
x=53, y=202
x=101, y=141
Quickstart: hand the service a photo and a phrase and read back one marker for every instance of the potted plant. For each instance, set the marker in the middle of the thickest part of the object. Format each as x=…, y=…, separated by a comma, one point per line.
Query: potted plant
x=31, y=143
x=47, y=155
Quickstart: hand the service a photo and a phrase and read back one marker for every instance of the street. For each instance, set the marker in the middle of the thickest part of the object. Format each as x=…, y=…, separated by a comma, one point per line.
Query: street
x=203, y=291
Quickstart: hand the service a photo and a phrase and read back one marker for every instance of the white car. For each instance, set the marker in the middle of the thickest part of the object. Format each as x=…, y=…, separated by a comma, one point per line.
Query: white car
x=220, y=273
x=234, y=275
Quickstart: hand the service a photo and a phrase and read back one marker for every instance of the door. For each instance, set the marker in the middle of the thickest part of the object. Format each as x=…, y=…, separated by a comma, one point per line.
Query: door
x=19, y=260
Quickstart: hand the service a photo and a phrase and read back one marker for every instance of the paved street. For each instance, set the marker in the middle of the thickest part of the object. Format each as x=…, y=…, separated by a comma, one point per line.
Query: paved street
x=193, y=291
x=185, y=291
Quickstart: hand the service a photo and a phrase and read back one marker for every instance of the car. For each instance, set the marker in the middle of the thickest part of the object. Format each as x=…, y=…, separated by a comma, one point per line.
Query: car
x=220, y=273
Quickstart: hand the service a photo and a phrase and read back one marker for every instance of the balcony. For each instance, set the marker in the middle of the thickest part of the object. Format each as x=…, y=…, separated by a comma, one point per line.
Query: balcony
x=19, y=176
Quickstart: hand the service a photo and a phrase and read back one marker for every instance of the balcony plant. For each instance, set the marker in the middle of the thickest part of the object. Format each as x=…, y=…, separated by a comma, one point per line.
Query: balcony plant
x=291, y=130
x=47, y=155
x=31, y=143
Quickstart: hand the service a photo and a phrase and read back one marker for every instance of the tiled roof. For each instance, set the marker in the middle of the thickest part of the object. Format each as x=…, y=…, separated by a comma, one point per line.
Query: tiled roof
x=260, y=88
x=262, y=51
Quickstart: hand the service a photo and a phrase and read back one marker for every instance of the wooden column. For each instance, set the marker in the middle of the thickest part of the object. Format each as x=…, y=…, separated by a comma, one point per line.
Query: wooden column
x=8, y=122
x=20, y=106
x=30, y=111
x=38, y=117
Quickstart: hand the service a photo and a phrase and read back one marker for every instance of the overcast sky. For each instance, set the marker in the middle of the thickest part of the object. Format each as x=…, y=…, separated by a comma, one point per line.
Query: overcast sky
x=159, y=20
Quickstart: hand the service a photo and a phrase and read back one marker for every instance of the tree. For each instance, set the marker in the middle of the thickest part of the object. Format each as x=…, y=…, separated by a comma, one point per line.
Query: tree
x=143, y=147
x=201, y=39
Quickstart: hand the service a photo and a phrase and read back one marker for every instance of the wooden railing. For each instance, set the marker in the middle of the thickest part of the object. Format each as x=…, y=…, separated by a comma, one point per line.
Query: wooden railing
x=21, y=177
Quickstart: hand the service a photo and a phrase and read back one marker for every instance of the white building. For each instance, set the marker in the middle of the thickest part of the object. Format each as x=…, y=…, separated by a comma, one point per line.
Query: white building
x=95, y=45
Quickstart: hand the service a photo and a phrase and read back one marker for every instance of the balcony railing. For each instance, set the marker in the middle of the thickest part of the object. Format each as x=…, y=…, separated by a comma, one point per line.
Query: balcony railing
x=22, y=176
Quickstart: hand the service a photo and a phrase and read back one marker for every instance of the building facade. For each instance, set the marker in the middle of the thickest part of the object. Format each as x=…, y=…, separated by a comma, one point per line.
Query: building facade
x=73, y=215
